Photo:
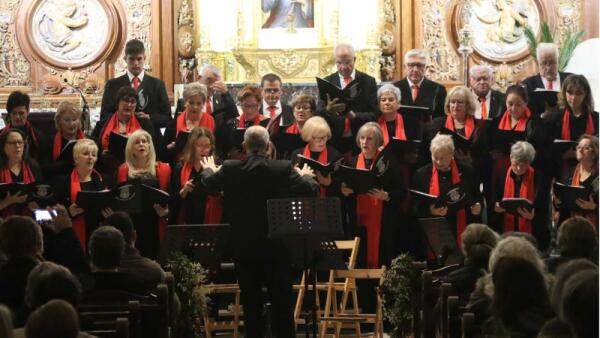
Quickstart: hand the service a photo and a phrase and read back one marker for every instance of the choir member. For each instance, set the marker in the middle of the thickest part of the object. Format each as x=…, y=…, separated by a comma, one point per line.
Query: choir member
x=190, y=202
x=140, y=163
x=194, y=96
x=491, y=102
x=520, y=181
x=443, y=174
x=584, y=174
x=17, y=107
x=67, y=121
x=316, y=134
x=271, y=105
x=288, y=138
x=16, y=167
x=249, y=98
x=376, y=215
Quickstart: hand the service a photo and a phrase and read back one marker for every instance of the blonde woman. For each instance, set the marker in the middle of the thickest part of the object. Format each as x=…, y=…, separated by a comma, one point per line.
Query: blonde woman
x=67, y=121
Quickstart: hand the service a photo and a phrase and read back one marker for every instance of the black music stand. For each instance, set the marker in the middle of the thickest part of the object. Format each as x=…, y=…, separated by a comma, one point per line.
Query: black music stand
x=203, y=243
x=310, y=226
x=441, y=240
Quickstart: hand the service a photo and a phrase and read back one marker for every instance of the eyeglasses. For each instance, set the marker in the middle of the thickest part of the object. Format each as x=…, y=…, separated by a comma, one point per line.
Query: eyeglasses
x=415, y=65
x=250, y=106
x=584, y=148
x=271, y=90
x=130, y=100
x=306, y=108
x=16, y=143
x=548, y=63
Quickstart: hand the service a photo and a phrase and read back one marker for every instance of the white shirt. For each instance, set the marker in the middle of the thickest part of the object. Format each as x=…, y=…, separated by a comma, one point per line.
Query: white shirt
x=131, y=76
x=267, y=113
x=488, y=100
x=555, y=83
x=353, y=76
x=410, y=84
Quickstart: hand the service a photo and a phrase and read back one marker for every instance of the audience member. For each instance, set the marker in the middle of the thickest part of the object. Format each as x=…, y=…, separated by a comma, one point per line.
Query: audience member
x=6, y=326
x=576, y=238
x=55, y=319
x=579, y=306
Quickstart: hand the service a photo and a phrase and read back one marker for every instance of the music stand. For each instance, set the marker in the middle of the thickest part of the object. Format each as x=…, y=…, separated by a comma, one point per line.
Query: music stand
x=441, y=240
x=310, y=225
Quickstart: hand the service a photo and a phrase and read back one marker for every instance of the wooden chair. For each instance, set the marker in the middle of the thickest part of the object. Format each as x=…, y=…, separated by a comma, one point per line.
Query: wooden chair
x=355, y=318
x=468, y=325
x=347, y=287
x=453, y=313
x=211, y=324
x=445, y=291
x=113, y=320
x=418, y=268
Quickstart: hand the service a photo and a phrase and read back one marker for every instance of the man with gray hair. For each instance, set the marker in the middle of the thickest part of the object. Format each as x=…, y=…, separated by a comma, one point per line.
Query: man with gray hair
x=259, y=260
x=492, y=103
x=548, y=78
x=417, y=90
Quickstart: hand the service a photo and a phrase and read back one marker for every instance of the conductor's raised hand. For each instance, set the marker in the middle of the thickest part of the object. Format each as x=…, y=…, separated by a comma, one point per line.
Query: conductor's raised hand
x=208, y=162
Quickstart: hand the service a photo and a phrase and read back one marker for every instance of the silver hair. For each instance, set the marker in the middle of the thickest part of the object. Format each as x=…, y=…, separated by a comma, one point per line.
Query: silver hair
x=256, y=139
x=212, y=68
x=546, y=47
x=442, y=142
x=481, y=68
x=522, y=152
x=513, y=246
x=389, y=88
x=344, y=46
x=193, y=89
x=416, y=53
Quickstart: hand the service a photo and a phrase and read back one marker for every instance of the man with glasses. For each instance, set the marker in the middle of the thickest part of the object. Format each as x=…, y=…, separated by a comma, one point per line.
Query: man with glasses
x=417, y=90
x=492, y=103
x=549, y=78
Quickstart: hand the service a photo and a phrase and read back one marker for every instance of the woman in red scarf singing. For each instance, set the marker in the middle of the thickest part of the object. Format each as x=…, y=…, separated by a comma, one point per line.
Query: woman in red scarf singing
x=140, y=164
x=521, y=180
x=17, y=106
x=584, y=174
x=375, y=216
x=190, y=202
x=440, y=178
x=15, y=167
x=194, y=96
x=288, y=138
x=316, y=134
x=249, y=98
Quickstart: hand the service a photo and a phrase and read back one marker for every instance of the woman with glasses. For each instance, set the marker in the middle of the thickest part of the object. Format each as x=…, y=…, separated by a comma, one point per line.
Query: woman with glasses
x=17, y=107
x=15, y=167
x=288, y=138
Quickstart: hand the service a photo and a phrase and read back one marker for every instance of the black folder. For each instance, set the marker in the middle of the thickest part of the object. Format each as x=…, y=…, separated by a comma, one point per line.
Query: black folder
x=13, y=188
x=457, y=197
x=151, y=196
x=460, y=142
x=561, y=146
x=347, y=95
x=66, y=153
x=568, y=194
x=43, y=194
x=116, y=145
x=317, y=166
x=128, y=197
x=181, y=140
x=359, y=180
x=512, y=204
x=96, y=200
x=399, y=148
x=546, y=97
x=418, y=112
x=506, y=138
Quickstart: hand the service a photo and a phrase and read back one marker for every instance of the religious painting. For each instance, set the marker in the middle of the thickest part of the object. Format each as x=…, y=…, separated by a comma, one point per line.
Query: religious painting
x=288, y=14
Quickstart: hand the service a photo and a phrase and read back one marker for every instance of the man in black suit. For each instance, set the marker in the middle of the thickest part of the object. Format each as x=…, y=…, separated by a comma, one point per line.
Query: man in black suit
x=247, y=185
x=417, y=90
x=492, y=103
x=337, y=115
x=548, y=78
x=271, y=105
x=153, y=102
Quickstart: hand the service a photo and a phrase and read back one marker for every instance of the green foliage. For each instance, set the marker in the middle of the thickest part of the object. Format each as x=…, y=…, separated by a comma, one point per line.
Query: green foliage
x=397, y=293
x=545, y=33
x=570, y=41
x=566, y=51
x=531, y=40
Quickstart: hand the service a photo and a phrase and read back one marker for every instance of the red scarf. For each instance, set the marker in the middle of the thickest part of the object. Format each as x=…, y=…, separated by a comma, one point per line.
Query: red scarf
x=30, y=131
x=521, y=124
x=400, y=134
x=434, y=189
x=6, y=177
x=527, y=191
x=293, y=129
x=205, y=121
x=57, y=147
x=565, y=132
x=113, y=125
x=79, y=225
x=214, y=204
x=322, y=159
x=592, y=216
x=369, y=212
x=469, y=125
x=242, y=123
x=163, y=175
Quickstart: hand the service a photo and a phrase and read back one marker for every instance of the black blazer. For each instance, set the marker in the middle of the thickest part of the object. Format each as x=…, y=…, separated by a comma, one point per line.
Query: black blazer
x=535, y=81
x=497, y=104
x=431, y=95
x=152, y=94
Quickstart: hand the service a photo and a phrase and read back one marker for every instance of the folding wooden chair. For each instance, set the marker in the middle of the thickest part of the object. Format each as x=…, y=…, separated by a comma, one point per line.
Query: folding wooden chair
x=338, y=318
x=211, y=324
x=347, y=287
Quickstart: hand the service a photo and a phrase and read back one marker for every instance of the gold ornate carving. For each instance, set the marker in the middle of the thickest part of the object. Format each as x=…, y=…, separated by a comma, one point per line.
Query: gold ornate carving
x=185, y=40
x=387, y=41
x=443, y=62
x=51, y=84
x=14, y=68
x=139, y=18
x=185, y=15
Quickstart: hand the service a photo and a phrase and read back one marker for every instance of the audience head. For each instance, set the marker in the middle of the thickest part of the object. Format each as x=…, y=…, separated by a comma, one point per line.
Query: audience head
x=140, y=147
x=14, y=146
x=519, y=234
x=579, y=306
x=369, y=138
x=194, y=96
x=127, y=100
x=344, y=57
x=547, y=59
x=21, y=236
x=316, y=133
x=49, y=281
x=106, y=248
x=587, y=149
x=415, y=62
x=55, y=319
x=478, y=241
x=17, y=107
x=67, y=119
x=200, y=143
x=442, y=151
x=518, y=247
x=481, y=79
x=271, y=91
x=249, y=98
x=389, y=99
x=577, y=238
x=6, y=323
x=85, y=153
x=304, y=107
x=576, y=94
x=256, y=140
x=563, y=273
x=135, y=56
x=522, y=154
x=460, y=102
x=121, y=221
